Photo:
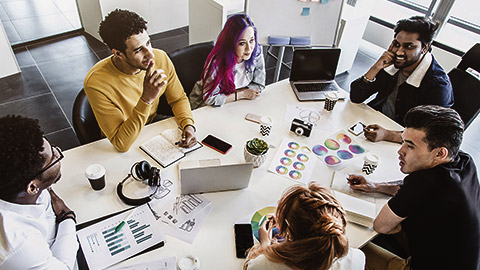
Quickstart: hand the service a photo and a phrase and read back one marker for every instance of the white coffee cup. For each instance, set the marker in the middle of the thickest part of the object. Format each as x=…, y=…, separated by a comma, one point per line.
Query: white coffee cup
x=95, y=174
x=331, y=99
x=370, y=163
x=266, y=125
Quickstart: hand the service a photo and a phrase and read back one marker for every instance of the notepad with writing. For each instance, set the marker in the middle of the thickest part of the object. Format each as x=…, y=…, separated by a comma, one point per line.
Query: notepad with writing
x=163, y=150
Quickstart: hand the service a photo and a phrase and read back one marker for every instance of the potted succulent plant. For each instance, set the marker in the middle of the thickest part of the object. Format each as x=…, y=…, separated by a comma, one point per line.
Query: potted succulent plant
x=255, y=151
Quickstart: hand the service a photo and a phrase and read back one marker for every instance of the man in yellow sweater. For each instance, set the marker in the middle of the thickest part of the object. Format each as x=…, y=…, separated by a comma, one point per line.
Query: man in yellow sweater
x=124, y=89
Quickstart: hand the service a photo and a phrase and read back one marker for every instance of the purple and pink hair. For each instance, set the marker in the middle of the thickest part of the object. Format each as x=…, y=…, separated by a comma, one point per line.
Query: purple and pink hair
x=221, y=61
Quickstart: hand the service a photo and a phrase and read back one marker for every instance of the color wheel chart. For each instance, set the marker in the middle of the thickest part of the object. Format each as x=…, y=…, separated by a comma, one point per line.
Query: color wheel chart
x=259, y=217
x=293, y=161
x=337, y=149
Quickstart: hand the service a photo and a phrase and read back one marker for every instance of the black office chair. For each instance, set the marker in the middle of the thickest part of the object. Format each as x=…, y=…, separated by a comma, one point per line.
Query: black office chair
x=466, y=87
x=188, y=62
x=84, y=121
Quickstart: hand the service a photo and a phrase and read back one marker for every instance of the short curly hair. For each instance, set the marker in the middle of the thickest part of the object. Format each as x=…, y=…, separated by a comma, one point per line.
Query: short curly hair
x=21, y=141
x=119, y=25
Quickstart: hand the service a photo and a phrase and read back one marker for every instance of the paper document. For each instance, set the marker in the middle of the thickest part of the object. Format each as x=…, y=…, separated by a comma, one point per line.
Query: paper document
x=339, y=183
x=305, y=113
x=358, y=211
x=181, y=216
x=293, y=160
x=169, y=263
x=337, y=150
x=103, y=246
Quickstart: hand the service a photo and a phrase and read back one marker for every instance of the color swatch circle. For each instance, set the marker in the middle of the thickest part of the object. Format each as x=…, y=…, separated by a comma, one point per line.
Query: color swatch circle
x=281, y=169
x=299, y=166
x=356, y=149
x=344, y=154
x=289, y=153
x=295, y=175
x=285, y=161
x=302, y=157
x=332, y=160
x=344, y=138
x=320, y=150
x=305, y=149
x=293, y=145
x=332, y=144
x=260, y=216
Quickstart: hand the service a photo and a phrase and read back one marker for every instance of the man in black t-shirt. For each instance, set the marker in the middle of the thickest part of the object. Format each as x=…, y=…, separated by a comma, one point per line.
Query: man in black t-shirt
x=437, y=206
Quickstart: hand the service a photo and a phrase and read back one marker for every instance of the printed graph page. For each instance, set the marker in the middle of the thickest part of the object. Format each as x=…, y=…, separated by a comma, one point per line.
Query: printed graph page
x=103, y=246
x=169, y=263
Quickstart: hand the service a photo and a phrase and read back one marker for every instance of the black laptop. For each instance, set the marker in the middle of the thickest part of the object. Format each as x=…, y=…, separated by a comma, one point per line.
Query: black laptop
x=313, y=73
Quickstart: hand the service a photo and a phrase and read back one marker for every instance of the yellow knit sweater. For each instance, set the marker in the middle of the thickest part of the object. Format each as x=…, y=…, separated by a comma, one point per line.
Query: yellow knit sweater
x=116, y=103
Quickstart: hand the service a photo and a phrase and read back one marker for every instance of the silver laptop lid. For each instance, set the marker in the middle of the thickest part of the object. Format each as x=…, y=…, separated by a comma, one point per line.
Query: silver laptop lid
x=215, y=178
x=316, y=64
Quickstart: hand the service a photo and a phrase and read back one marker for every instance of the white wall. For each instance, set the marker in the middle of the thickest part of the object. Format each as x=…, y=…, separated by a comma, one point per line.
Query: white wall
x=161, y=15
x=382, y=36
x=8, y=64
x=90, y=15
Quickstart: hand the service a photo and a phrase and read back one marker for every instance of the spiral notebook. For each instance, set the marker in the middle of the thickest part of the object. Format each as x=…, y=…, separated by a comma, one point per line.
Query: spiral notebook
x=164, y=151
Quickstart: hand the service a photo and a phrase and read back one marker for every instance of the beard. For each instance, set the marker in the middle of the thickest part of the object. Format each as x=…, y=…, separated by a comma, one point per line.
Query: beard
x=407, y=62
x=140, y=65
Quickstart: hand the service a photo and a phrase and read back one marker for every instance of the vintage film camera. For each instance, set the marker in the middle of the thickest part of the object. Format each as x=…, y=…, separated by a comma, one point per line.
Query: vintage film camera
x=301, y=128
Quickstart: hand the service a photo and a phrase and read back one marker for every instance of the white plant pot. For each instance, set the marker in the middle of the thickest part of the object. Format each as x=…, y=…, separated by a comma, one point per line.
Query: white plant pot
x=257, y=160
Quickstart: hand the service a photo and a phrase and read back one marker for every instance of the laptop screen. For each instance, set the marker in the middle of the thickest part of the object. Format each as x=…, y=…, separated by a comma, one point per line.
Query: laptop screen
x=314, y=64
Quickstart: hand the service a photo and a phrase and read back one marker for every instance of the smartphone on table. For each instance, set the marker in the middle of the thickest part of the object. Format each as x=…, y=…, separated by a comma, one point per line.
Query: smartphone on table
x=243, y=239
x=357, y=129
x=253, y=117
x=217, y=144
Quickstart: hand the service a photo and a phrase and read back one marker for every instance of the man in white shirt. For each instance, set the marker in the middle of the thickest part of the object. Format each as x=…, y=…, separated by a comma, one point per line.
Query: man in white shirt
x=37, y=229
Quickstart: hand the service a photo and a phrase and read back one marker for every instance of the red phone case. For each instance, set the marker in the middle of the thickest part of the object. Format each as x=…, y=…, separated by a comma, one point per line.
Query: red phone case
x=214, y=148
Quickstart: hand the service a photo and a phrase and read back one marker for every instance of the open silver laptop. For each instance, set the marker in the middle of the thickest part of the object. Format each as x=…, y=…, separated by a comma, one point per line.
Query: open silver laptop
x=313, y=73
x=199, y=176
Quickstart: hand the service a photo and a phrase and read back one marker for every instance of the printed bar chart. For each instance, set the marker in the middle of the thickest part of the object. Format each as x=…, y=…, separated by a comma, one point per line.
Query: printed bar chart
x=139, y=231
x=116, y=242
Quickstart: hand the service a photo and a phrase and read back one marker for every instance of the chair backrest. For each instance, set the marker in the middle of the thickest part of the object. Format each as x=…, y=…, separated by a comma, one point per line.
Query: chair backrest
x=84, y=121
x=471, y=58
x=188, y=62
x=466, y=89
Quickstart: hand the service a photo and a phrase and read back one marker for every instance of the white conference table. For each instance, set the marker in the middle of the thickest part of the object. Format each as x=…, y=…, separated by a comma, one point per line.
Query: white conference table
x=214, y=245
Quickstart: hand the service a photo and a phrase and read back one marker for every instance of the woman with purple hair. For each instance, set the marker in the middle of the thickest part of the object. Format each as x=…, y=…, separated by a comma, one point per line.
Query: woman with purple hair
x=235, y=69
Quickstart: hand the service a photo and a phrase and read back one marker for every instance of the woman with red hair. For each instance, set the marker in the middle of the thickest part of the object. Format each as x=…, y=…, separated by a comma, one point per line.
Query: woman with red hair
x=235, y=69
x=311, y=225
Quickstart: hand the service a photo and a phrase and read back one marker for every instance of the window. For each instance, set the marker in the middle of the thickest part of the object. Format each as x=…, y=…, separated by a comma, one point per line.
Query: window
x=461, y=30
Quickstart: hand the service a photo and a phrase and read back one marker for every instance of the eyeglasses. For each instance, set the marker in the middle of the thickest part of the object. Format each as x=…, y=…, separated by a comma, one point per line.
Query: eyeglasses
x=60, y=157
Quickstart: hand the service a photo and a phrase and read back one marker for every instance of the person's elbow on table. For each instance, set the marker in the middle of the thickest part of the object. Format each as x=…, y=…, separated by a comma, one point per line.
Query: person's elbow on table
x=387, y=222
x=120, y=145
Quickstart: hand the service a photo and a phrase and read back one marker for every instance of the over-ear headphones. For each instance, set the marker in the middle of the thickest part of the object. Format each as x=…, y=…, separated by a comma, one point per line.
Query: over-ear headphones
x=144, y=171
x=141, y=171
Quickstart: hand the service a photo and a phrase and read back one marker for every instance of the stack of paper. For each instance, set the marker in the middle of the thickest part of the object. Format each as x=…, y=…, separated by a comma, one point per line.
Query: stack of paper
x=358, y=211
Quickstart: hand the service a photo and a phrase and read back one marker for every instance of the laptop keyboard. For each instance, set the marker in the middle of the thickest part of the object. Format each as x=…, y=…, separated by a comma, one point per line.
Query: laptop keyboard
x=311, y=87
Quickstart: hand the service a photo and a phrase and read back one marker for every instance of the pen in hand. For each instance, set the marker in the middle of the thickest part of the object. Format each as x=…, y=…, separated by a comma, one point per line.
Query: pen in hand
x=352, y=181
x=181, y=141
